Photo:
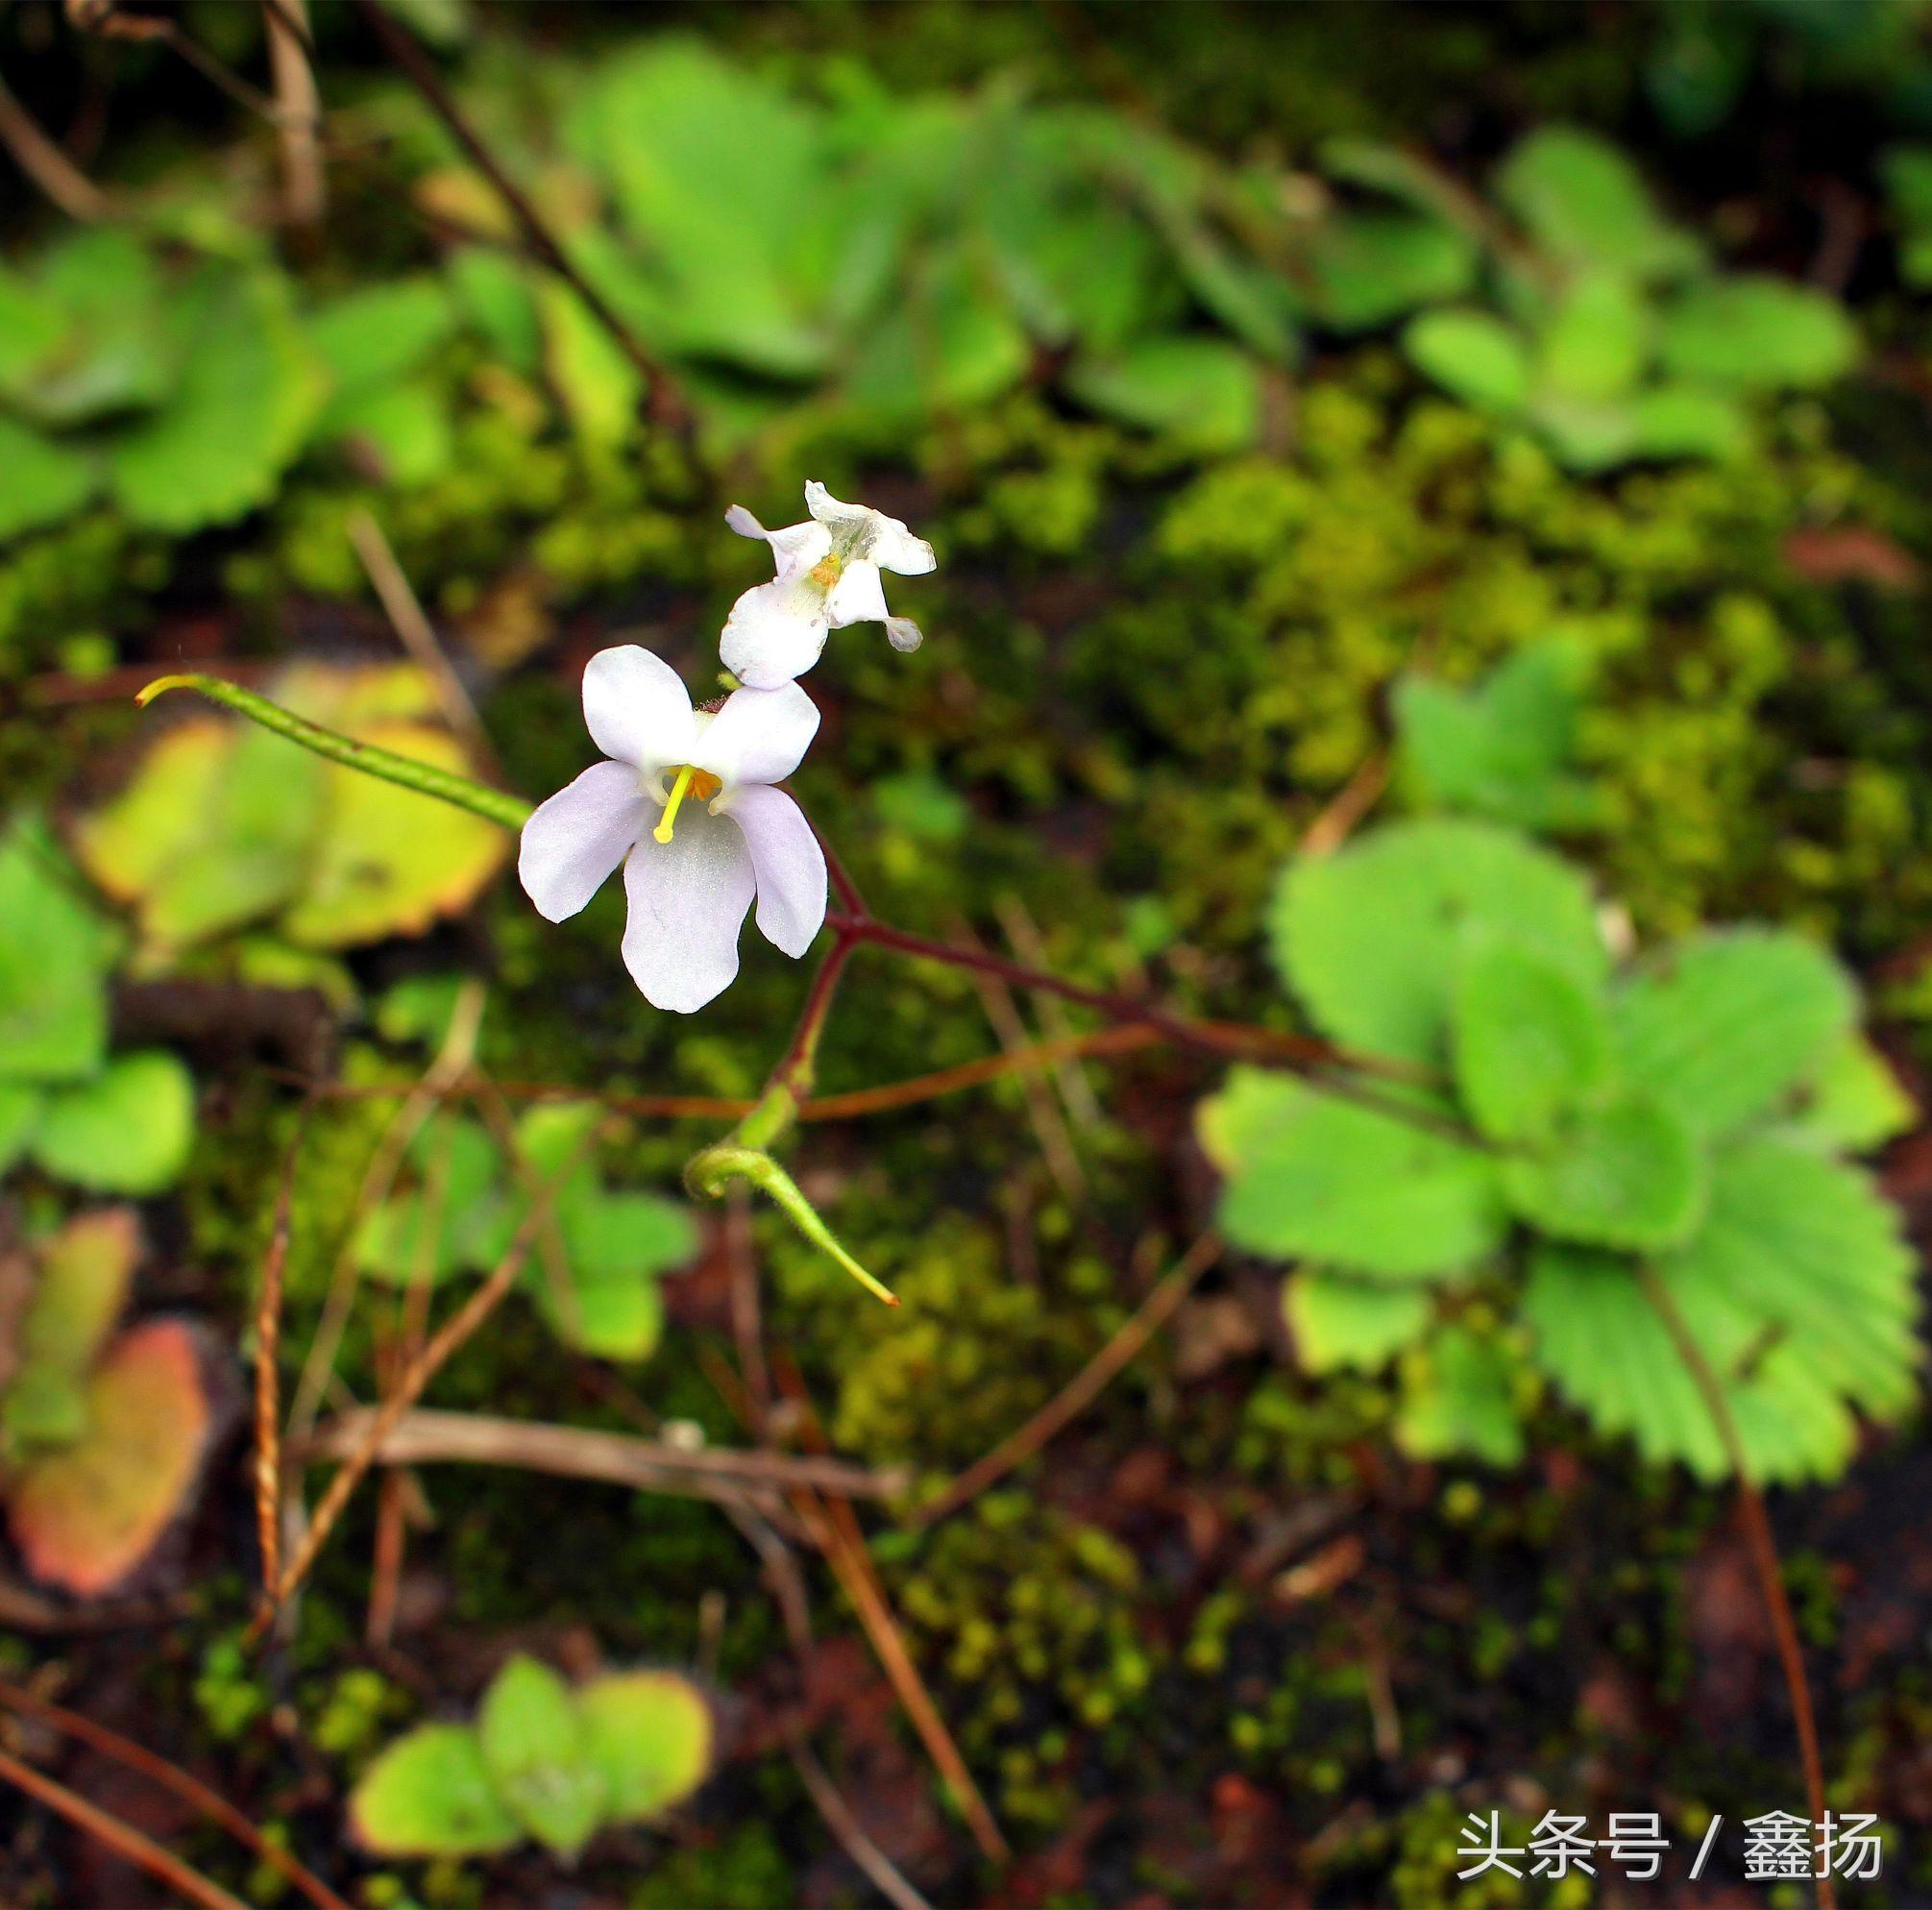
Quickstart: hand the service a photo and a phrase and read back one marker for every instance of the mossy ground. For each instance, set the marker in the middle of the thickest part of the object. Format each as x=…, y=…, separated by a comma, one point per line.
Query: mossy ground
x=1218, y=1647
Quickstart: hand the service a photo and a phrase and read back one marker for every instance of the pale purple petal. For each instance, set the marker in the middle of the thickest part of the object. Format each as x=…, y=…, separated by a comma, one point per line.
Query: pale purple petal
x=858, y=597
x=572, y=841
x=687, y=899
x=775, y=632
x=903, y=634
x=636, y=708
x=790, y=865
x=759, y=736
x=795, y=545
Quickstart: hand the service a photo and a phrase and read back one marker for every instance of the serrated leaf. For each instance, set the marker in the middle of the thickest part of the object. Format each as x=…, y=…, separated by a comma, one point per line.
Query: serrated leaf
x=1369, y=938
x=1854, y=1101
x=651, y=1735
x=537, y=1749
x=54, y=953
x=1531, y=1044
x=378, y=332
x=1312, y=1177
x=127, y=1131
x=1757, y=332
x=430, y=1795
x=1202, y=391
x=1458, y=1400
x=1473, y=356
x=1360, y=1324
x=1586, y=205
x=1625, y=1174
x=83, y=1275
x=86, y=1517
x=1599, y=1337
x=1724, y=1024
x=1502, y=749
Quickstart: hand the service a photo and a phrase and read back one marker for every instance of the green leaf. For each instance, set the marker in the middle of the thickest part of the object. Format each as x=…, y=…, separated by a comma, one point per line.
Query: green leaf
x=460, y=1178
x=87, y=1516
x=1473, y=356
x=537, y=1749
x=114, y=353
x=1502, y=749
x=430, y=1795
x=46, y=481
x=1370, y=267
x=404, y=428
x=1531, y=1042
x=54, y=954
x=237, y=415
x=1626, y=1174
x=1595, y=341
x=601, y=388
x=388, y=863
x=1725, y=1024
x=1362, y=1324
x=1458, y=1400
x=1757, y=332
x=1763, y=1294
x=128, y=1130
x=1200, y=391
x=652, y=1736
x=1854, y=1101
x=1369, y=938
x=1671, y=421
x=19, y=1115
x=1806, y=1244
x=1583, y=202
x=379, y=332
x=616, y=1245
x=213, y=830
x=85, y=1273
x=1310, y=1176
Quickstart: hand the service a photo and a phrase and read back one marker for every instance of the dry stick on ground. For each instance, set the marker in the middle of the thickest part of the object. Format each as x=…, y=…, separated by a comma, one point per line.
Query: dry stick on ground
x=1082, y=1391
x=123, y=1839
x=300, y=108
x=428, y=1437
x=448, y=1337
x=211, y=1804
x=418, y=636
x=835, y=1529
x=665, y=402
x=1763, y=1545
x=1336, y=824
x=267, y=1348
x=419, y=1101
x=43, y=161
x=878, y=1869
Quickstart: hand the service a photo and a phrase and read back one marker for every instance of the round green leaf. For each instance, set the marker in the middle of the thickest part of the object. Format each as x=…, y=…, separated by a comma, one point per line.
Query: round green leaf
x=537, y=1749
x=1473, y=356
x=652, y=1737
x=1338, y=1322
x=1759, y=332
x=430, y=1795
x=128, y=1130
x=1586, y=205
x=54, y=953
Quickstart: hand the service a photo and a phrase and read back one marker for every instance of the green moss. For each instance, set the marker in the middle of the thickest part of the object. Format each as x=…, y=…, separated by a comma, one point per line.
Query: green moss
x=744, y=1871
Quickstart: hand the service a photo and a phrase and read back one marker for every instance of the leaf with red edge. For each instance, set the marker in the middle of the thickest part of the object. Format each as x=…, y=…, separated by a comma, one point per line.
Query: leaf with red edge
x=85, y=1272
x=86, y=1517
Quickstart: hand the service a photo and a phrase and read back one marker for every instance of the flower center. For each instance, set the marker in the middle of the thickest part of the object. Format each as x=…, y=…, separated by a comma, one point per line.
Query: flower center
x=690, y=781
x=825, y=572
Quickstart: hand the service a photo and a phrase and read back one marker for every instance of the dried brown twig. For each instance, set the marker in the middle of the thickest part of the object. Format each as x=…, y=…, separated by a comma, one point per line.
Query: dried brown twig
x=190, y=1789
x=267, y=1347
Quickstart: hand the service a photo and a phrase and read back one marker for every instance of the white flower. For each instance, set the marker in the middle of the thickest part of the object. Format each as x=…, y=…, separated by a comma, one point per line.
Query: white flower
x=686, y=804
x=828, y=577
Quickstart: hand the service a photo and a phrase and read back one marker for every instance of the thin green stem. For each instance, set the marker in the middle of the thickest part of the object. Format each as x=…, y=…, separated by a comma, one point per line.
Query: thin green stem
x=495, y=805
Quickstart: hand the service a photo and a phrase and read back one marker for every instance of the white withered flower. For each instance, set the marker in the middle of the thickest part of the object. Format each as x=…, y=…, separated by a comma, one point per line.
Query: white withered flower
x=828, y=577
x=686, y=804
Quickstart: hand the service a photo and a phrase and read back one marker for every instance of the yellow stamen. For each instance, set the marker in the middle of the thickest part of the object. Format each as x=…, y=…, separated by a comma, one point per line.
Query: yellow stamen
x=677, y=789
x=825, y=572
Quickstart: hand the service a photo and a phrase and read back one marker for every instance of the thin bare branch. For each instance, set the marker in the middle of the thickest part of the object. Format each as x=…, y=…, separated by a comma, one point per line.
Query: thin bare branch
x=43, y=162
